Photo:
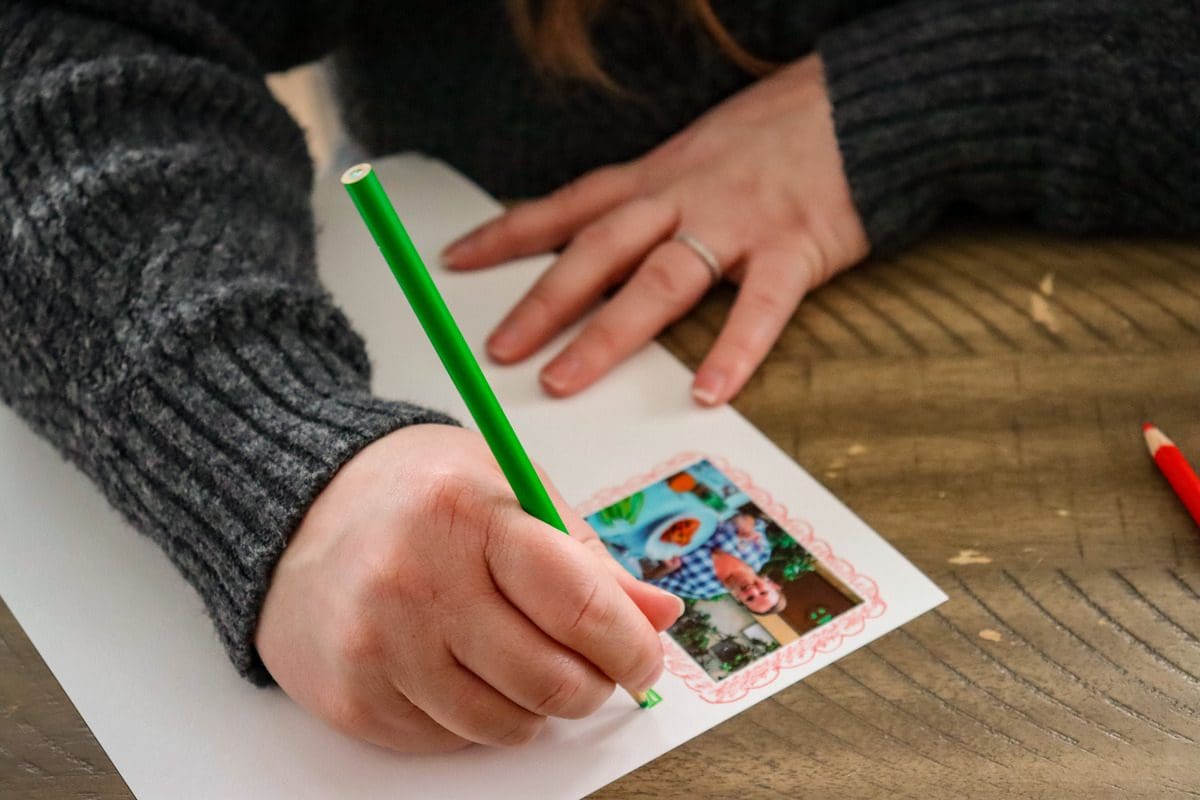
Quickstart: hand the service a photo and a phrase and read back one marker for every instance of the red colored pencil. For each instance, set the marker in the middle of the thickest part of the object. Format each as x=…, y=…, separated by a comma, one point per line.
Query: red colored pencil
x=1174, y=466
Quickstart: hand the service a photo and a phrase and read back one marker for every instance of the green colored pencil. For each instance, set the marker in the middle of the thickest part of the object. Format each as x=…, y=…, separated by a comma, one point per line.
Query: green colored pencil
x=397, y=248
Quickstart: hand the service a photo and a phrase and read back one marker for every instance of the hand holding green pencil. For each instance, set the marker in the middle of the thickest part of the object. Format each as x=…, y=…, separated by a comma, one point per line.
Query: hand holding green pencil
x=402, y=257
x=419, y=607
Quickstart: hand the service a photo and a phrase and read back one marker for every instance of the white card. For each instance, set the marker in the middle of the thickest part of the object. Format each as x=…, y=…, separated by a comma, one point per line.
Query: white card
x=129, y=641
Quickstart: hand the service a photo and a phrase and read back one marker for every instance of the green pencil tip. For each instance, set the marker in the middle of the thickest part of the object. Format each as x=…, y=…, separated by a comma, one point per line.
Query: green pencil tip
x=652, y=699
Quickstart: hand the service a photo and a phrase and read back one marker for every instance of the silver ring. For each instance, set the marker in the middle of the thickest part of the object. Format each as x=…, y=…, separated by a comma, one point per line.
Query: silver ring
x=699, y=248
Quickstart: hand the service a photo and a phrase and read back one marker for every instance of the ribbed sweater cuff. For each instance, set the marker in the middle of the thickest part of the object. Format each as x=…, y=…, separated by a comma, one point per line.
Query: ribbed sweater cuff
x=221, y=451
x=933, y=104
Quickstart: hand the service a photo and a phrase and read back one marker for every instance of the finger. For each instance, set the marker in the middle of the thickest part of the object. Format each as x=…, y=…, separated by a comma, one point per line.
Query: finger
x=600, y=255
x=660, y=607
x=554, y=581
x=669, y=282
x=544, y=224
x=407, y=729
x=773, y=286
x=462, y=703
x=372, y=709
x=527, y=666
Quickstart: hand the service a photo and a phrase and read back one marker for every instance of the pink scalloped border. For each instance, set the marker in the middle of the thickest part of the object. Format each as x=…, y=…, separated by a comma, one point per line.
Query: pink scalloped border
x=825, y=639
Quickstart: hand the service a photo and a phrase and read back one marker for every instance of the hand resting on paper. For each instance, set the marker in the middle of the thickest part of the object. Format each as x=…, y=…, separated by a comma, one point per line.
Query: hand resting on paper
x=758, y=180
x=418, y=607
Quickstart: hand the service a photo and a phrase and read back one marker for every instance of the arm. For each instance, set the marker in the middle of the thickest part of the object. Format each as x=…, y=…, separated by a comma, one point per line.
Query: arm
x=161, y=323
x=1080, y=114
x=160, y=317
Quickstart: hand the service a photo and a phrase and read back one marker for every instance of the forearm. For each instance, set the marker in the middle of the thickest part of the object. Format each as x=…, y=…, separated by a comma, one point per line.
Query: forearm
x=1081, y=115
x=160, y=317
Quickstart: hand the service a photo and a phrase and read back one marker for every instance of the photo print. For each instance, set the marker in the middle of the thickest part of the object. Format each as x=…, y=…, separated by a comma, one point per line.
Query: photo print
x=750, y=589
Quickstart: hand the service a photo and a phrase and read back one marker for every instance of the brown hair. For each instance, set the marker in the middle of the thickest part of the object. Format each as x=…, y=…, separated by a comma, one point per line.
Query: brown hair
x=556, y=34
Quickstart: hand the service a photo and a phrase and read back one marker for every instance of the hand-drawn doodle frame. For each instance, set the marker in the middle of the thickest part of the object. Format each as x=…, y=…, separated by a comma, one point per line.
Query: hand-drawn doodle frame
x=825, y=639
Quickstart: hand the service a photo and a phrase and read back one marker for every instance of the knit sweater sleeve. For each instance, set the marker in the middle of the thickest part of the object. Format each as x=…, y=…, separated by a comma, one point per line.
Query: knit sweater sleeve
x=1081, y=115
x=161, y=322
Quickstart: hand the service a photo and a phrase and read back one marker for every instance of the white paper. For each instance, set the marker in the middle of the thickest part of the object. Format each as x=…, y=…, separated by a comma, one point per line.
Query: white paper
x=129, y=640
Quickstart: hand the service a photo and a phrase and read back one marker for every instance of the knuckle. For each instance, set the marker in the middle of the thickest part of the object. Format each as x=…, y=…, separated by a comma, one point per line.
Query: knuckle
x=680, y=148
x=601, y=237
x=541, y=303
x=452, y=500
x=383, y=574
x=521, y=731
x=814, y=264
x=442, y=744
x=512, y=224
x=657, y=207
x=661, y=280
x=747, y=185
x=645, y=664
x=577, y=190
x=617, y=178
x=763, y=302
x=603, y=336
x=487, y=725
x=411, y=731
x=560, y=697
x=359, y=643
x=374, y=579
x=736, y=350
x=591, y=614
x=349, y=714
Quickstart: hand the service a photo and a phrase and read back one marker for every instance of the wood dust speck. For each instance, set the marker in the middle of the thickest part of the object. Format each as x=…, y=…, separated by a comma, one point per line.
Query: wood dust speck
x=837, y=463
x=1062, y=512
x=965, y=557
x=991, y=635
x=856, y=449
x=1046, y=285
x=831, y=475
x=1042, y=313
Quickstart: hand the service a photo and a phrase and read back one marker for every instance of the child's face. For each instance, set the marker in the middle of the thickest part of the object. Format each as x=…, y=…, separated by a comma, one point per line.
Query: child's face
x=759, y=595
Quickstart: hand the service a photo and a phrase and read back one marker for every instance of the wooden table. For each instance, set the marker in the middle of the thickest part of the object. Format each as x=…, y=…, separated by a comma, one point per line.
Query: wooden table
x=978, y=401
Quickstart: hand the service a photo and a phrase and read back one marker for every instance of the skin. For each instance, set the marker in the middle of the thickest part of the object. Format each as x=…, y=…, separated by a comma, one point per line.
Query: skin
x=418, y=607
x=756, y=592
x=758, y=179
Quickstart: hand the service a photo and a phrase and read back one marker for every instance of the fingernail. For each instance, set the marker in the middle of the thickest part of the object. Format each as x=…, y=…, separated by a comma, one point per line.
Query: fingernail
x=561, y=373
x=708, y=387
x=451, y=255
x=504, y=341
x=678, y=602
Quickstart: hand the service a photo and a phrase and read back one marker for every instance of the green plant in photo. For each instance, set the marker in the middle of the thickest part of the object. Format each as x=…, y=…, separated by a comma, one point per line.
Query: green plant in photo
x=626, y=510
x=694, y=630
x=736, y=653
x=789, y=560
x=819, y=616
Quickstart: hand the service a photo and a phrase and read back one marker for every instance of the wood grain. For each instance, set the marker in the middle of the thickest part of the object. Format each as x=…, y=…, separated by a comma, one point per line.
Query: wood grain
x=955, y=411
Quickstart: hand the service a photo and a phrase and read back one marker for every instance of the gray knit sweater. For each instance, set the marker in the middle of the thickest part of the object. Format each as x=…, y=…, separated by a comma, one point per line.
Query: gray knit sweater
x=160, y=318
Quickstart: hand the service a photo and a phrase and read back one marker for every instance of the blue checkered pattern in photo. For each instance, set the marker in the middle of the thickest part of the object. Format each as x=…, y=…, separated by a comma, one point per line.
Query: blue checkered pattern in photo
x=696, y=577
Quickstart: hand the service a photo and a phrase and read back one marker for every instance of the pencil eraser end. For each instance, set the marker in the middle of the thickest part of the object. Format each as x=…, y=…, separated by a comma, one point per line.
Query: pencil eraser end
x=1146, y=426
x=356, y=173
